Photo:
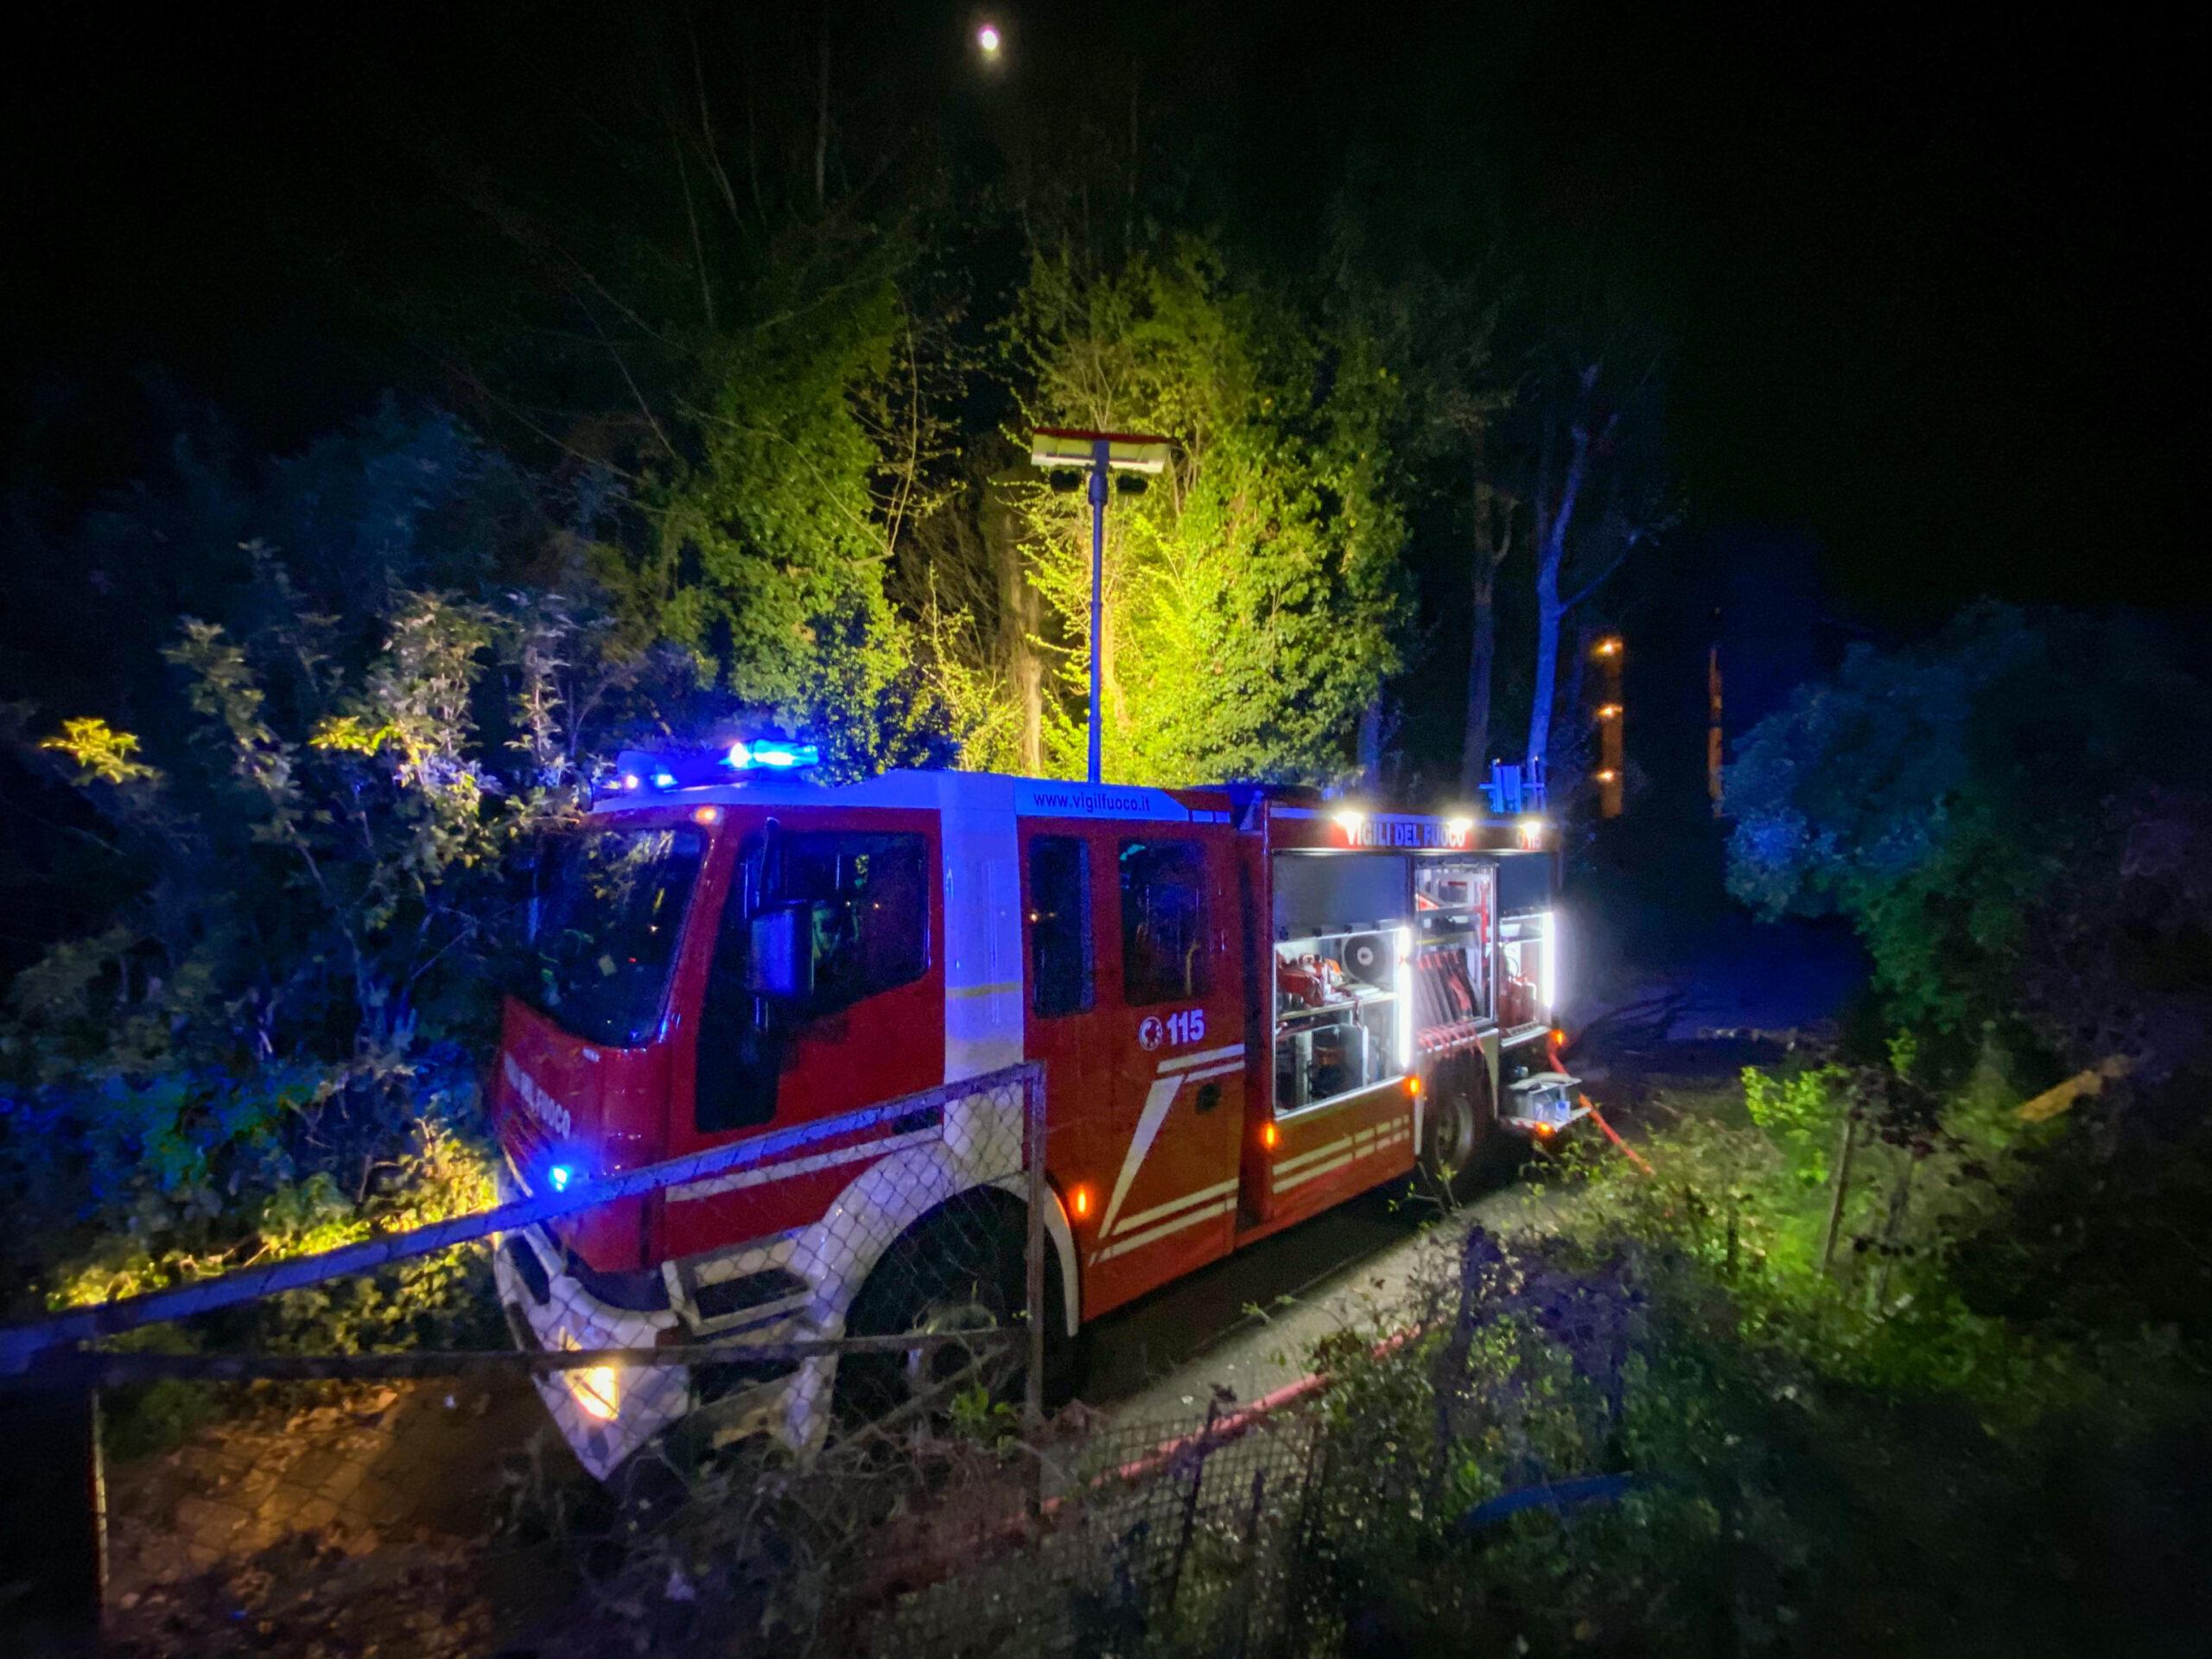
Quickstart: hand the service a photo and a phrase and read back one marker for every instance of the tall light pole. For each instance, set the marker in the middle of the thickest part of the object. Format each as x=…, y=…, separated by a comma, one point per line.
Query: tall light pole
x=1066, y=452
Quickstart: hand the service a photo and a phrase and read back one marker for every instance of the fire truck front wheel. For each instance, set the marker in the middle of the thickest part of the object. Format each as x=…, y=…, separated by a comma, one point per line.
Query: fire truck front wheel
x=959, y=1269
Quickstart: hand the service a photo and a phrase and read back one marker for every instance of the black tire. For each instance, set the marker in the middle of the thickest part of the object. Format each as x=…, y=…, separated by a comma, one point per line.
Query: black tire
x=960, y=1267
x=1459, y=1130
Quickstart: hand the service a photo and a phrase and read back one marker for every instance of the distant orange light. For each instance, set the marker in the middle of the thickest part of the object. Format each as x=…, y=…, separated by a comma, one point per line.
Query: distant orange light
x=1605, y=776
x=1269, y=1136
x=1609, y=711
x=706, y=815
x=1608, y=647
x=1543, y=1131
x=1079, y=1201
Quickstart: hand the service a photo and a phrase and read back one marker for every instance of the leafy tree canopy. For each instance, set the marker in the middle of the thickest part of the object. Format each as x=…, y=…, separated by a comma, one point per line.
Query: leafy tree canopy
x=1954, y=799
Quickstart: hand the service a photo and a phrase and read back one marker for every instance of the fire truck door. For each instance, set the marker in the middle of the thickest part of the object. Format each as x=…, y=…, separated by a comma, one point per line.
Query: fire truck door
x=1170, y=1045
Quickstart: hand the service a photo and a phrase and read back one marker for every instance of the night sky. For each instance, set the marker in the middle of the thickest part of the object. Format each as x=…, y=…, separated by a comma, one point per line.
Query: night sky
x=1929, y=282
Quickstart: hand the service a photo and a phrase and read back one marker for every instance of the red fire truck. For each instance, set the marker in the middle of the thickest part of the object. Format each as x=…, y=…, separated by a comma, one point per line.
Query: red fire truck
x=1250, y=1004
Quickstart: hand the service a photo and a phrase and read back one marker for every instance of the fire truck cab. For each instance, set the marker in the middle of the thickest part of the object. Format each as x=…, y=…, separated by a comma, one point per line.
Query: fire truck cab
x=1250, y=1004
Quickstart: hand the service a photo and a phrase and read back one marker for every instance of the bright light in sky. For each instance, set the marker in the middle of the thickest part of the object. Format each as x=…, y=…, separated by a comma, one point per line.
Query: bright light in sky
x=987, y=38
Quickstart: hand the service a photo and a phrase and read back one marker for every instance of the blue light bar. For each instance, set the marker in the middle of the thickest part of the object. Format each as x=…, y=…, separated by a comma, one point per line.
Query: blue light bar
x=772, y=753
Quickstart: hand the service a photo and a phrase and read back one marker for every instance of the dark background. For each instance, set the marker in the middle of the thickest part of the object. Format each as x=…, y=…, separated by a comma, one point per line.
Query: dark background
x=1937, y=324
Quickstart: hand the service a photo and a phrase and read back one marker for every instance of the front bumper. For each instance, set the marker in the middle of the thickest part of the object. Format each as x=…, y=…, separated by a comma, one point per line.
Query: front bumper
x=605, y=1412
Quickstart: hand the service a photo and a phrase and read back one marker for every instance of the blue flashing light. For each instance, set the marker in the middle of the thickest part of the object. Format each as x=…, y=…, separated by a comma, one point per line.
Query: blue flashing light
x=773, y=753
x=559, y=1177
x=664, y=779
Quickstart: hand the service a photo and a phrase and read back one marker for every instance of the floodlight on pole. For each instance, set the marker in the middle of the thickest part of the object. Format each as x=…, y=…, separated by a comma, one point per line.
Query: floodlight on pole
x=1058, y=448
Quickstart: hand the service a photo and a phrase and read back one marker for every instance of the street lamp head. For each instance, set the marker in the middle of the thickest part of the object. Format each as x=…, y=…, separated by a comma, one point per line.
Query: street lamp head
x=989, y=40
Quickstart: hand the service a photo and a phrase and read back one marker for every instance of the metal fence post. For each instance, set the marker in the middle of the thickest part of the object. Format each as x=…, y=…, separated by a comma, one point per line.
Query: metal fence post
x=1040, y=1194
x=53, y=1500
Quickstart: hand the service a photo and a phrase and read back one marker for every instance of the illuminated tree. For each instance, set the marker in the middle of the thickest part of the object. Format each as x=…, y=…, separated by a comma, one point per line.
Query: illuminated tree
x=1252, y=594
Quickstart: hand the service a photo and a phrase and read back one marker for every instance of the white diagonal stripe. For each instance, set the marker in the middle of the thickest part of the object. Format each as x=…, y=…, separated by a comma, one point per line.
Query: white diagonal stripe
x=1157, y=1100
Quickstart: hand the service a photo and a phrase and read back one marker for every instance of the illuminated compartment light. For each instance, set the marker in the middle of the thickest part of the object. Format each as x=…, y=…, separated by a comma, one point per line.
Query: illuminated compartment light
x=1548, y=947
x=1459, y=828
x=1405, y=1000
x=597, y=1391
x=1532, y=833
x=1351, y=821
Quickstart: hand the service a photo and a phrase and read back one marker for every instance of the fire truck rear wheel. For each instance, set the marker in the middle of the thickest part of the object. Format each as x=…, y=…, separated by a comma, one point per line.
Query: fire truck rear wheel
x=960, y=1267
x=1458, y=1131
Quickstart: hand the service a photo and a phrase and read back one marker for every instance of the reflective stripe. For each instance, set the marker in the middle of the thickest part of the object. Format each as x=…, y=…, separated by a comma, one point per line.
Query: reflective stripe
x=1173, y=1204
x=1211, y=1211
x=1305, y=1175
x=1367, y=1142
x=1184, y=1062
x=744, y=1178
x=1233, y=1067
x=1317, y=1152
x=1004, y=988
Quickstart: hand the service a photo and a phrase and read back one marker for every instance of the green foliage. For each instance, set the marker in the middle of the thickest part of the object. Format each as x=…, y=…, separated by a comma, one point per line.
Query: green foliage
x=259, y=1054
x=1799, y=1113
x=1943, y=797
x=816, y=448
x=1252, y=594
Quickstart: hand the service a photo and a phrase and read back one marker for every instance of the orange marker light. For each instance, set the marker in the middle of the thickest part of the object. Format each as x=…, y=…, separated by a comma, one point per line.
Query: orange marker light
x=1269, y=1136
x=706, y=815
x=1079, y=1201
x=1413, y=1087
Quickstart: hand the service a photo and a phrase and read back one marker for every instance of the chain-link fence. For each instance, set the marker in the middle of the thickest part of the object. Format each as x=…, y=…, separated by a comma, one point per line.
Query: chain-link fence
x=874, y=1315
x=825, y=1439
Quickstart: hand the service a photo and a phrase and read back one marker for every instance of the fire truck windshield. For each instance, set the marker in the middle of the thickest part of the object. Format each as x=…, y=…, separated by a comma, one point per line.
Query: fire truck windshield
x=606, y=929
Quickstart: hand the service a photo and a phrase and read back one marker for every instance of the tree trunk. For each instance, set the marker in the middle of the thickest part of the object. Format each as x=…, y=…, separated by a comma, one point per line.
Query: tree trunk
x=1551, y=553
x=1482, y=660
x=822, y=121
x=1489, y=545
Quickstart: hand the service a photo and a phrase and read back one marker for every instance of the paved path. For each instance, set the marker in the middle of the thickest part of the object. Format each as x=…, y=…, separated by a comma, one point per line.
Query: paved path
x=1250, y=1322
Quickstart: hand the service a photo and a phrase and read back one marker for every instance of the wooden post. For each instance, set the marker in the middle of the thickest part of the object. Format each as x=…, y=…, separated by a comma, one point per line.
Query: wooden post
x=1841, y=1183
x=53, y=1500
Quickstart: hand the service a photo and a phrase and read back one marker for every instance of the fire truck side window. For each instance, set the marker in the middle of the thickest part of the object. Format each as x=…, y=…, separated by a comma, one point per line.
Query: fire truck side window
x=1163, y=936
x=871, y=911
x=1059, y=926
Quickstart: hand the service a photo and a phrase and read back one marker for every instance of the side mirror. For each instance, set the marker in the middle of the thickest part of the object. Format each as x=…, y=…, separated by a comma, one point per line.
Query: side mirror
x=780, y=964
